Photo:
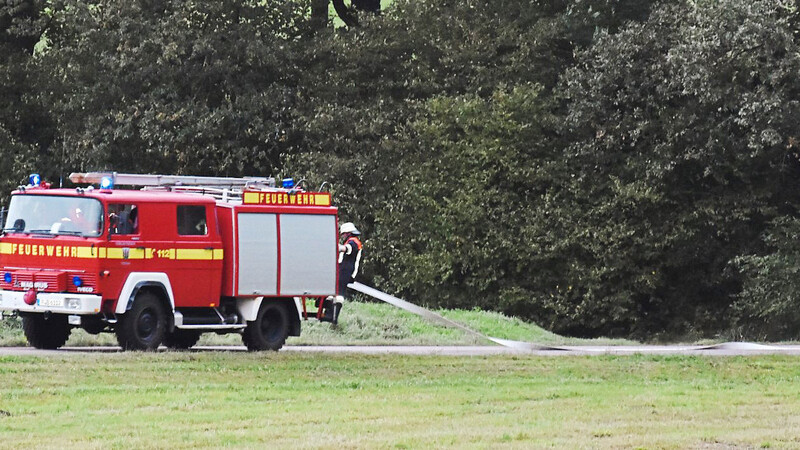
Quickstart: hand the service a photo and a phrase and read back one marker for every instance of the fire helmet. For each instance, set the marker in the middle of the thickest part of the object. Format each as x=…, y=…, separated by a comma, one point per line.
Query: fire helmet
x=348, y=227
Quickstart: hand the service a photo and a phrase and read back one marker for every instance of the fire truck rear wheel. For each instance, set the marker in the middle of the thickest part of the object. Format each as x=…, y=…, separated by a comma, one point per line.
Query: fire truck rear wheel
x=144, y=326
x=45, y=332
x=181, y=339
x=270, y=329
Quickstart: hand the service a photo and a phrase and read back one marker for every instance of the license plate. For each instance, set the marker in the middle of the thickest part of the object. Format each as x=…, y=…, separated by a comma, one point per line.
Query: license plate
x=56, y=302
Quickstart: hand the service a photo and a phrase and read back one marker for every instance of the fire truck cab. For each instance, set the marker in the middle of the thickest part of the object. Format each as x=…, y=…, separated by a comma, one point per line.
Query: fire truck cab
x=161, y=265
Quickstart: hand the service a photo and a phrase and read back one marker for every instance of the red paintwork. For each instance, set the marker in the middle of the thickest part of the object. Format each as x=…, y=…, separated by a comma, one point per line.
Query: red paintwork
x=227, y=227
x=195, y=283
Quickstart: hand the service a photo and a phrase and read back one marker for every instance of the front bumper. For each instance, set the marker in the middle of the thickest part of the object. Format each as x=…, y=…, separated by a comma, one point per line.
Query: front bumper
x=61, y=303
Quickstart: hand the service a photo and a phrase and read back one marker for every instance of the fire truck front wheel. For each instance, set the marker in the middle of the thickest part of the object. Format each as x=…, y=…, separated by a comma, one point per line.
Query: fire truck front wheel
x=269, y=330
x=144, y=326
x=45, y=331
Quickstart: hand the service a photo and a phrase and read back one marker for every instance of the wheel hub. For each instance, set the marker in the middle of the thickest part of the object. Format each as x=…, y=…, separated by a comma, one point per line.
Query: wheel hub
x=146, y=325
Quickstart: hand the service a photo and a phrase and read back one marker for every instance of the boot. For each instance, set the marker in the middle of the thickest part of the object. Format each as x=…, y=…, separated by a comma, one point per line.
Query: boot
x=337, y=307
x=327, y=306
x=328, y=314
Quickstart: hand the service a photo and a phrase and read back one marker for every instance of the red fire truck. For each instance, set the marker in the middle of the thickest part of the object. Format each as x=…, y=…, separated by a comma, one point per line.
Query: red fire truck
x=162, y=264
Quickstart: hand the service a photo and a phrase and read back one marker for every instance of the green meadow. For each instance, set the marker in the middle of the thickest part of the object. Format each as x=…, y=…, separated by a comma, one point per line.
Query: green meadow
x=290, y=400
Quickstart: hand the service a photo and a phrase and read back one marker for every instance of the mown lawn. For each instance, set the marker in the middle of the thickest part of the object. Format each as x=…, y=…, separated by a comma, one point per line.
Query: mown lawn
x=290, y=400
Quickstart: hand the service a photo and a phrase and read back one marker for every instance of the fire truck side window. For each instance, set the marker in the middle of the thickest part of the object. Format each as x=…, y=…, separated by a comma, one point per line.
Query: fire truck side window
x=124, y=219
x=192, y=220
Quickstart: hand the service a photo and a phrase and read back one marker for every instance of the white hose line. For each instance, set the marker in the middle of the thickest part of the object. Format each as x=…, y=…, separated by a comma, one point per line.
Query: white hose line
x=434, y=317
x=734, y=347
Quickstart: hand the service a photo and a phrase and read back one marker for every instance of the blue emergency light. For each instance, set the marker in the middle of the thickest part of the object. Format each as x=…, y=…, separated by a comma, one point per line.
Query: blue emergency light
x=34, y=179
x=8, y=278
x=106, y=183
x=77, y=281
x=288, y=183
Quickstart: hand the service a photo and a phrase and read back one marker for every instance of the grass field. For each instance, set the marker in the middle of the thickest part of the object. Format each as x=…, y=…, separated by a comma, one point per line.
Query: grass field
x=364, y=323
x=282, y=400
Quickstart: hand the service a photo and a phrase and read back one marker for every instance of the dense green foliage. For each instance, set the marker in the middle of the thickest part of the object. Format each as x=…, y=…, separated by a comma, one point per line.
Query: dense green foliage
x=24, y=125
x=684, y=128
x=619, y=168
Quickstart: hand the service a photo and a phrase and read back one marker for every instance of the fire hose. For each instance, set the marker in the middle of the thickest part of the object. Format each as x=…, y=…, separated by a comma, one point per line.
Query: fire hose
x=438, y=318
x=730, y=348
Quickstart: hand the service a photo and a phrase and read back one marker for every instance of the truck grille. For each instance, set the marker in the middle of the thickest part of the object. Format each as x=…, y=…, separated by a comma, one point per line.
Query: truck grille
x=47, y=281
x=50, y=281
x=88, y=282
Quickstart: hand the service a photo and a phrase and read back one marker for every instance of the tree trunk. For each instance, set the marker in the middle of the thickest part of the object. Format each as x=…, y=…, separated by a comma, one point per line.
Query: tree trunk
x=319, y=14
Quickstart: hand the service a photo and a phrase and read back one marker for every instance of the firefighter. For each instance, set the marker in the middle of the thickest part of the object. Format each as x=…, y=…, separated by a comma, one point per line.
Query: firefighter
x=349, y=260
x=76, y=221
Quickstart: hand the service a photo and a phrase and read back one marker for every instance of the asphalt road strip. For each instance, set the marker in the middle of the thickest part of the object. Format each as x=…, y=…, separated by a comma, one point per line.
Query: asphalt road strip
x=724, y=348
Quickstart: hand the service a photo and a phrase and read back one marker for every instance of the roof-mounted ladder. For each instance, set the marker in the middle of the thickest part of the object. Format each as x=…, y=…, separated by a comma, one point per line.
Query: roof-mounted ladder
x=221, y=188
x=128, y=179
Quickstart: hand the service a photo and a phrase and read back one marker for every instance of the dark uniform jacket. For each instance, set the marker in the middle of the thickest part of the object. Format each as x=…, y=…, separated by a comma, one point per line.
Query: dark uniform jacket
x=349, y=261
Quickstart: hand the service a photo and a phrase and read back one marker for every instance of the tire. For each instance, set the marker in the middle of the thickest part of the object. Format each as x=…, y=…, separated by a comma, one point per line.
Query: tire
x=270, y=329
x=46, y=332
x=144, y=326
x=181, y=339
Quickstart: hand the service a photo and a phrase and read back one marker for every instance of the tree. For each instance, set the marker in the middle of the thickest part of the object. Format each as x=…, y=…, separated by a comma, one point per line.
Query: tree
x=766, y=308
x=25, y=124
x=684, y=132
x=419, y=191
x=202, y=88
x=319, y=14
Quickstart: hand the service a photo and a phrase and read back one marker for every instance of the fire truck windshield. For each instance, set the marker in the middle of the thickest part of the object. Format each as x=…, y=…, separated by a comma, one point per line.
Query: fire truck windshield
x=56, y=215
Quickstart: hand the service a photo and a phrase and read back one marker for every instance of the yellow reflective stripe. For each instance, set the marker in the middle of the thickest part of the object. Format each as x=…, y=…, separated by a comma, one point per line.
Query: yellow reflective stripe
x=119, y=253
x=250, y=198
x=86, y=252
x=323, y=200
x=195, y=253
x=114, y=253
x=58, y=251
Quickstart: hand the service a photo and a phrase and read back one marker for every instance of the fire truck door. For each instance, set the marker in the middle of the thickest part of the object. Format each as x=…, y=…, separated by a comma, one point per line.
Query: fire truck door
x=196, y=262
x=126, y=252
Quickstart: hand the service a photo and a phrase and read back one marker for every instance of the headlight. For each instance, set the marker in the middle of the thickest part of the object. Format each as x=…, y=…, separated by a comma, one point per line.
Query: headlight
x=73, y=303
